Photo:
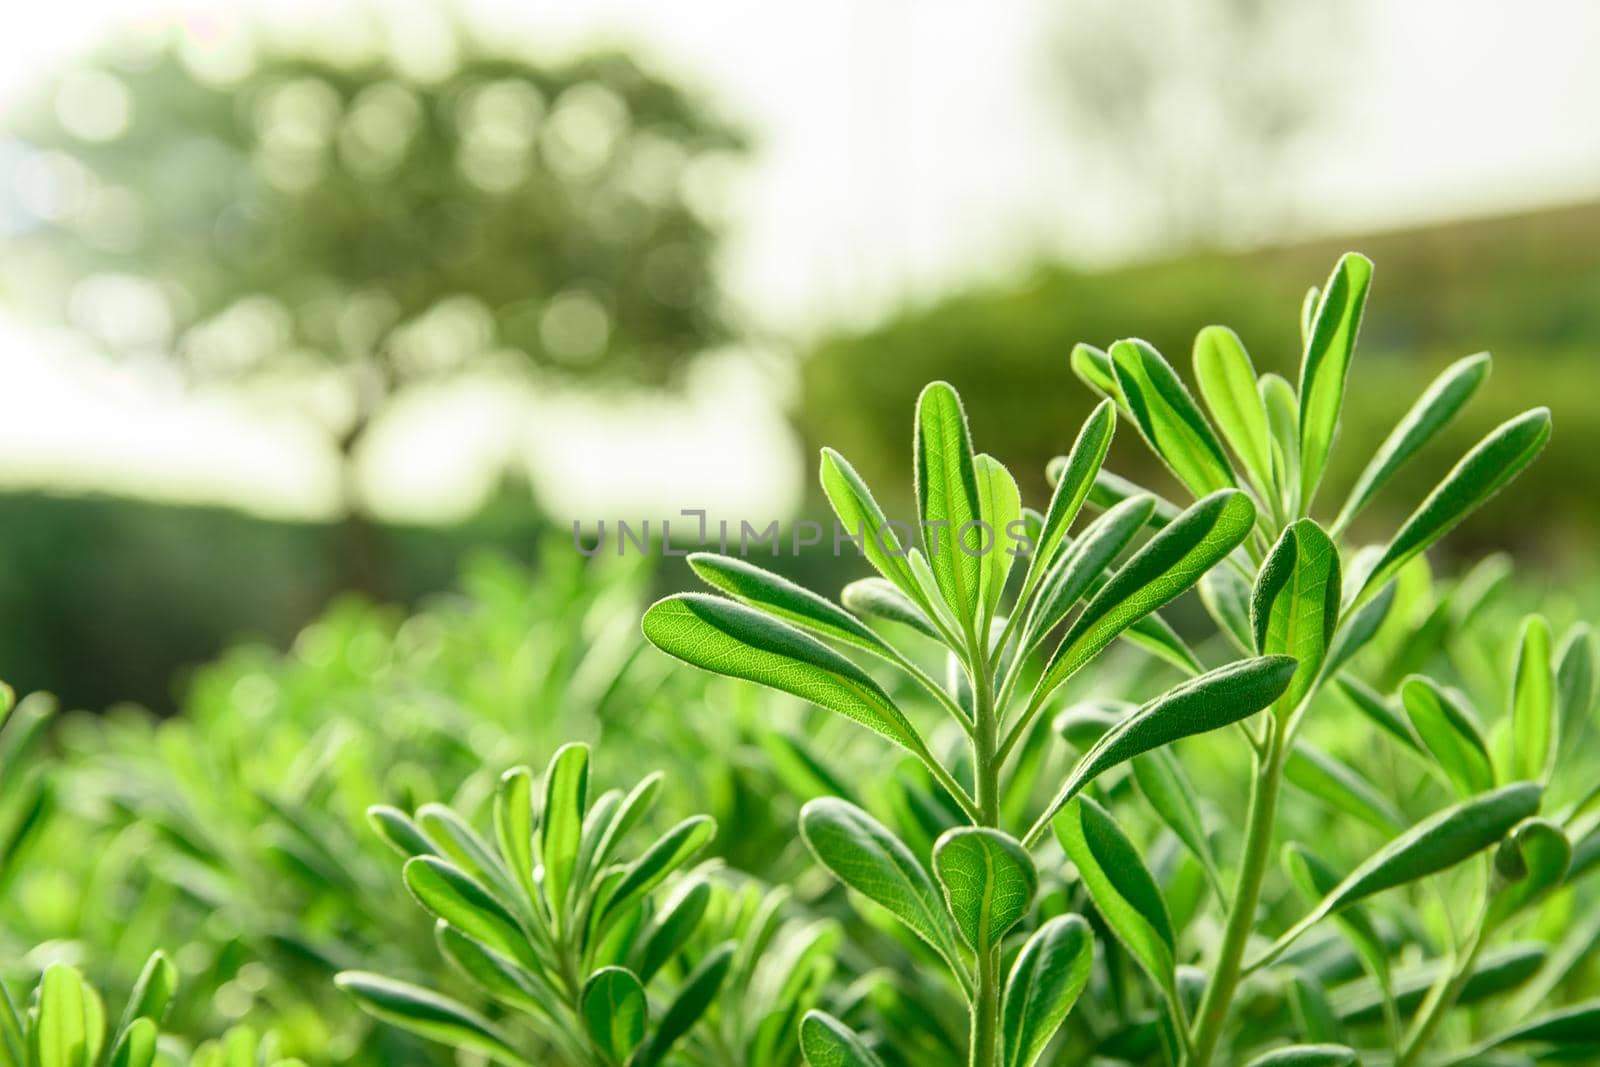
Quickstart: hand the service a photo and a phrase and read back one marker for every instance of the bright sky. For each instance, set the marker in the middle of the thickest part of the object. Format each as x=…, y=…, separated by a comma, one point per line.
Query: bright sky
x=904, y=148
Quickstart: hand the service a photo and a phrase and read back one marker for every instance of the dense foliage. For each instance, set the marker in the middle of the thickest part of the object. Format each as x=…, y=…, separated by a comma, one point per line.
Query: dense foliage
x=1338, y=813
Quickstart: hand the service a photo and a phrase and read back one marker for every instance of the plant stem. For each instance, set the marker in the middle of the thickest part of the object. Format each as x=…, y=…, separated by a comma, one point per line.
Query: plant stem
x=1218, y=1000
x=1442, y=997
x=983, y=1049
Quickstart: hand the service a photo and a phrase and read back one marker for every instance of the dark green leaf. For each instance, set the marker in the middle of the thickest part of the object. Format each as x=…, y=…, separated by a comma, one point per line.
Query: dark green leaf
x=1169, y=419
x=1482, y=472
x=1121, y=887
x=776, y=595
x=1431, y=413
x=1216, y=699
x=1531, y=863
x=1045, y=981
x=615, y=1012
x=426, y=1013
x=675, y=848
x=450, y=895
x=1575, y=682
x=865, y=856
x=1295, y=605
x=691, y=1002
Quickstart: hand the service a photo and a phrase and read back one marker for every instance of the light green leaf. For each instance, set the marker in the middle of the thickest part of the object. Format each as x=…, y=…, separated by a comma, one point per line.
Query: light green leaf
x=776, y=595
x=447, y=893
x=860, y=516
x=1431, y=413
x=152, y=992
x=1073, y=483
x=1480, y=474
x=999, y=505
x=1327, y=359
x=1215, y=699
x=1121, y=887
x=1316, y=879
x=1045, y=981
x=1530, y=864
x=1358, y=629
x=1169, y=419
x=1307, y=1056
x=1093, y=367
x=427, y=1014
x=1533, y=703
x=1283, y=417
x=1569, y=1027
x=1450, y=733
x=1167, y=788
x=727, y=638
x=137, y=1046
x=566, y=798
x=947, y=498
x=1171, y=562
x=690, y=1003
x=1227, y=381
x=989, y=882
x=1438, y=842
x=1341, y=787
x=1226, y=597
x=514, y=827
x=70, y=1024
x=615, y=1012
x=1295, y=605
x=827, y=1042
x=1308, y=314
x=879, y=598
x=399, y=831
x=865, y=856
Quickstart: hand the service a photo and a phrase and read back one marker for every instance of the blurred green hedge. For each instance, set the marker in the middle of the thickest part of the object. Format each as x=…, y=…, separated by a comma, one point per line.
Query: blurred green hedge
x=1524, y=288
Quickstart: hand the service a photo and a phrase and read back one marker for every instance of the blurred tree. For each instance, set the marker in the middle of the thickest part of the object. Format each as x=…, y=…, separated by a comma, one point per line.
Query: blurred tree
x=253, y=212
x=1192, y=110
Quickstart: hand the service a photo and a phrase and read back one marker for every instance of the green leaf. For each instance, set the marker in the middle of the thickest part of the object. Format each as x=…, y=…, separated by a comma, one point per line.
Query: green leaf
x=1110, y=490
x=1227, y=381
x=1169, y=419
x=1045, y=981
x=1341, y=787
x=1171, y=562
x=1532, y=862
x=1358, y=629
x=827, y=1042
x=1575, y=682
x=1215, y=699
x=137, y=1046
x=514, y=827
x=1307, y=1056
x=152, y=992
x=1121, y=887
x=1161, y=779
x=1313, y=877
x=399, y=831
x=1450, y=733
x=1378, y=711
x=672, y=929
x=1327, y=359
x=1295, y=605
x=70, y=1025
x=1480, y=474
x=776, y=595
x=1283, y=417
x=501, y=979
x=947, y=498
x=691, y=1002
x=1574, y=1026
x=1226, y=597
x=865, y=856
x=727, y=638
x=566, y=797
x=615, y=1012
x=999, y=505
x=1093, y=368
x=1436, y=843
x=1533, y=703
x=675, y=848
x=427, y=1014
x=860, y=515
x=447, y=893
x=1431, y=413
x=1085, y=560
x=1074, y=482
x=989, y=882
x=880, y=599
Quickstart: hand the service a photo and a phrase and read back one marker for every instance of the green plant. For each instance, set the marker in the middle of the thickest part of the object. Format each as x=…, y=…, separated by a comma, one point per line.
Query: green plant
x=564, y=936
x=997, y=589
x=65, y=1024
